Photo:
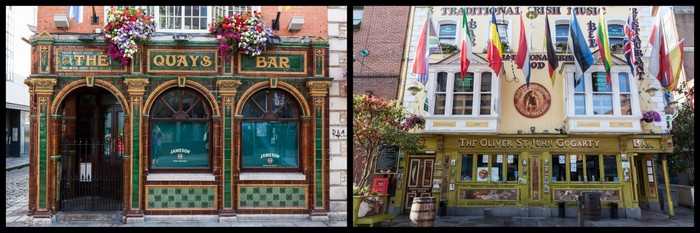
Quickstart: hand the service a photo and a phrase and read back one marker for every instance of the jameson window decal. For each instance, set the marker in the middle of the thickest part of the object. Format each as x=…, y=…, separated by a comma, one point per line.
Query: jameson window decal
x=270, y=144
x=180, y=145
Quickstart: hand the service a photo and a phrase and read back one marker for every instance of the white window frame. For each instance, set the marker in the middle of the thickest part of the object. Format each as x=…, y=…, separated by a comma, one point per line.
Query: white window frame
x=443, y=21
x=615, y=21
x=580, y=123
x=156, y=13
x=509, y=31
x=560, y=21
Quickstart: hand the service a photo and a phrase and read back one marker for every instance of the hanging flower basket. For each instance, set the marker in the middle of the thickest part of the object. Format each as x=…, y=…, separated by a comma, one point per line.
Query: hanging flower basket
x=651, y=116
x=245, y=32
x=126, y=30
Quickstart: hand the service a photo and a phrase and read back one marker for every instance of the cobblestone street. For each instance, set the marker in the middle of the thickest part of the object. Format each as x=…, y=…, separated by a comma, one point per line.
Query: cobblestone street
x=16, y=196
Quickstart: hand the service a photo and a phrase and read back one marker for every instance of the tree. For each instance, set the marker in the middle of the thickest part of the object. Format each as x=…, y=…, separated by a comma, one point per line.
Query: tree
x=378, y=122
x=683, y=159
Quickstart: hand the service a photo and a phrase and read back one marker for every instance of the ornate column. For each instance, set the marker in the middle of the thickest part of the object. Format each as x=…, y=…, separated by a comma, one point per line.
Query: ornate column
x=135, y=90
x=320, y=202
x=227, y=92
x=32, y=145
x=43, y=88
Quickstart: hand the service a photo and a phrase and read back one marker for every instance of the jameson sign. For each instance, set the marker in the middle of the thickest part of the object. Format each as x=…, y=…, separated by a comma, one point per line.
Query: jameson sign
x=457, y=11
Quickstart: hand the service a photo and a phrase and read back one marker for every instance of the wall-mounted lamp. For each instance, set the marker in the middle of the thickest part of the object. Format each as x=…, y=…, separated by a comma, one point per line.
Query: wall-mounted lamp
x=94, y=20
x=295, y=23
x=61, y=21
x=652, y=91
x=181, y=37
x=276, y=22
x=414, y=88
x=560, y=128
x=532, y=129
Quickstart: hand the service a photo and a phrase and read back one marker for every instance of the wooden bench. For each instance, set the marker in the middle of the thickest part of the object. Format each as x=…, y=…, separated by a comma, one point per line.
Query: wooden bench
x=374, y=219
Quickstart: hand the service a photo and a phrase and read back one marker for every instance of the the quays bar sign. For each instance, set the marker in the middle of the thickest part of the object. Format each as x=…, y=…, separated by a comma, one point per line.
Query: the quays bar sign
x=86, y=60
x=529, y=143
x=268, y=62
x=180, y=60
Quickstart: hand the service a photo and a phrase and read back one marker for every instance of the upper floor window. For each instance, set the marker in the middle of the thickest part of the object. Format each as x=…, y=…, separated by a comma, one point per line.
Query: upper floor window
x=562, y=33
x=448, y=33
x=76, y=12
x=231, y=10
x=357, y=16
x=592, y=96
x=180, y=132
x=190, y=18
x=504, y=30
x=471, y=96
x=616, y=34
x=270, y=132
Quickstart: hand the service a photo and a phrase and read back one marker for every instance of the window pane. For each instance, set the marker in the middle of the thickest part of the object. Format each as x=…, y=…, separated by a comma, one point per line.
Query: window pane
x=486, y=82
x=188, y=23
x=496, y=171
x=512, y=168
x=252, y=111
x=198, y=111
x=270, y=144
x=466, y=85
x=558, y=168
x=173, y=99
x=482, y=172
x=485, y=104
x=610, y=168
x=467, y=167
x=261, y=99
x=599, y=82
x=188, y=98
x=580, y=104
x=440, y=104
x=581, y=85
x=602, y=104
x=576, y=175
x=278, y=99
x=502, y=30
x=615, y=30
x=441, y=82
x=180, y=144
x=624, y=82
x=462, y=104
x=625, y=104
x=357, y=14
x=289, y=111
x=592, y=168
x=448, y=30
x=160, y=110
x=447, y=40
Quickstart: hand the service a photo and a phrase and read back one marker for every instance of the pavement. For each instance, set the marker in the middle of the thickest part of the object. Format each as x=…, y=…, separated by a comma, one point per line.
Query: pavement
x=684, y=217
x=16, y=162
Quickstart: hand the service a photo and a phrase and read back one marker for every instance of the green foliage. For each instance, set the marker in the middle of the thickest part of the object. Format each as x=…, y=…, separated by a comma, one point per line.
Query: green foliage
x=448, y=48
x=683, y=157
x=378, y=122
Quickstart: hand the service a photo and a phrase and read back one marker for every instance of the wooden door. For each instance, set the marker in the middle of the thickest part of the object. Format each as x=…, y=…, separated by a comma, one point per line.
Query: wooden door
x=419, y=182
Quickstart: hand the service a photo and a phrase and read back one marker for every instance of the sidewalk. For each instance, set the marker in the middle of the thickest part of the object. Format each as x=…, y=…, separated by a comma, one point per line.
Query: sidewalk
x=684, y=217
x=16, y=162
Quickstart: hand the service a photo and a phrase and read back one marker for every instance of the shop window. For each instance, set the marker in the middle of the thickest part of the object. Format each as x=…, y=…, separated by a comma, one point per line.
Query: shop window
x=576, y=168
x=512, y=161
x=496, y=170
x=467, y=163
x=482, y=167
x=180, y=132
x=610, y=168
x=558, y=168
x=448, y=33
x=472, y=96
x=270, y=132
x=592, y=168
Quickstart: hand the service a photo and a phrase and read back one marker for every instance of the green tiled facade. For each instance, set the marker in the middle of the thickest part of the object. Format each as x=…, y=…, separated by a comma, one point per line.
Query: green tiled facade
x=42, y=154
x=319, y=156
x=181, y=198
x=228, y=118
x=135, y=122
x=272, y=197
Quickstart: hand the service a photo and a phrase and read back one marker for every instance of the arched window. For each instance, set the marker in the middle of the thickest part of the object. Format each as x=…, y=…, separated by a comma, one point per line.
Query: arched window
x=180, y=132
x=270, y=132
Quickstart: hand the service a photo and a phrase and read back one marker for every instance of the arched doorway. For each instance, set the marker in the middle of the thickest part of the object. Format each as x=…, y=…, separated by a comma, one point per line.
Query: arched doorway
x=92, y=145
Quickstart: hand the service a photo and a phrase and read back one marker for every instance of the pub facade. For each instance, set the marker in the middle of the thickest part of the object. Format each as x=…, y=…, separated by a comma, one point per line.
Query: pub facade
x=180, y=130
x=494, y=146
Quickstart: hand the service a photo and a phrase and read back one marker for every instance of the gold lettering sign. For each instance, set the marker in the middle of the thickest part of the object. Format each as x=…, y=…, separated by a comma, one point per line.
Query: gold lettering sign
x=529, y=143
x=182, y=60
x=642, y=144
x=588, y=124
x=85, y=60
x=444, y=124
x=621, y=124
x=477, y=124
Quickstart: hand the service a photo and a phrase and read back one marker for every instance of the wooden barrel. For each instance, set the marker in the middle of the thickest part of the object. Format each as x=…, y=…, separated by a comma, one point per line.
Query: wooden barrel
x=423, y=212
x=591, y=208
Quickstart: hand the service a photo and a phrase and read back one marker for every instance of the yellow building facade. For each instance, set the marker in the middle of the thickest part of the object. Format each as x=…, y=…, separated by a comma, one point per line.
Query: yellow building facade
x=493, y=146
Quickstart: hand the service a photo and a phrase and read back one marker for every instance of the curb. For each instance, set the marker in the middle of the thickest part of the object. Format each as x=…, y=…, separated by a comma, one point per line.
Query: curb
x=8, y=168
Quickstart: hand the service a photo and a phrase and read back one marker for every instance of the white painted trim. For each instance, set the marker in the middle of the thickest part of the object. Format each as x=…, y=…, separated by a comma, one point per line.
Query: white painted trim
x=271, y=176
x=180, y=177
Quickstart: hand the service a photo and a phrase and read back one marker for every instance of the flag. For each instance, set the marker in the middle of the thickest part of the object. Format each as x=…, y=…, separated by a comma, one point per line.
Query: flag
x=522, y=59
x=675, y=57
x=466, y=47
x=549, y=48
x=427, y=44
x=583, y=58
x=604, y=48
x=494, y=47
x=658, y=63
x=629, y=43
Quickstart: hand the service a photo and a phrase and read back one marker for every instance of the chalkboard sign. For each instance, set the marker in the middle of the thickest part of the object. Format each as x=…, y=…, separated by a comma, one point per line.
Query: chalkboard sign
x=387, y=160
x=599, y=82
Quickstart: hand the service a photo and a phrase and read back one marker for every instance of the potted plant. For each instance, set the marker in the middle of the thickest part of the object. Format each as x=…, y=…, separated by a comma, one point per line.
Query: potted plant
x=447, y=48
x=505, y=46
x=651, y=116
x=616, y=47
x=245, y=32
x=125, y=31
x=561, y=46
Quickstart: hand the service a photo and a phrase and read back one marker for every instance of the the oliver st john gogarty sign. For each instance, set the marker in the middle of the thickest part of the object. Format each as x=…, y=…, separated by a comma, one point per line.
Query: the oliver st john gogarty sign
x=530, y=143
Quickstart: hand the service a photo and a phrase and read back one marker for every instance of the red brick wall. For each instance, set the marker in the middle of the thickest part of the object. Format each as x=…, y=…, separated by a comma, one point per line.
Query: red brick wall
x=384, y=87
x=45, y=19
x=315, y=19
x=383, y=32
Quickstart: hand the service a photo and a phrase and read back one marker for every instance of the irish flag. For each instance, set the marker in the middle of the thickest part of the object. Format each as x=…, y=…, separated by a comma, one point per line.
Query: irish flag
x=604, y=48
x=466, y=47
x=522, y=59
x=494, y=47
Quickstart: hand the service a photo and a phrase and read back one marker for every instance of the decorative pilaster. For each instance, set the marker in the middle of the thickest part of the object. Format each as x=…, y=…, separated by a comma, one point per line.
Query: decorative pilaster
x=135, y=91
x=32, y=145
x=319, y=96
x=44, y=41
x=320, y=46
x=43, y=87
x=227, y=91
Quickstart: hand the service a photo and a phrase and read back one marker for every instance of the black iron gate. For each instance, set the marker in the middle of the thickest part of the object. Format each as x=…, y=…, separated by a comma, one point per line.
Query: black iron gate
x=91, y=175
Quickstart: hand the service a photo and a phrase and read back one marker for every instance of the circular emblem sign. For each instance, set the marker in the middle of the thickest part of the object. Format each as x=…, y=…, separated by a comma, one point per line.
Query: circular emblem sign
x=179, y=156
x=533, y=102
x=269, y=160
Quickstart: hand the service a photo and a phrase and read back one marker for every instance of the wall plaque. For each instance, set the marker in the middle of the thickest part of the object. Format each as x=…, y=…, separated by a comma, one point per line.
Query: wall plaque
x=532, y=102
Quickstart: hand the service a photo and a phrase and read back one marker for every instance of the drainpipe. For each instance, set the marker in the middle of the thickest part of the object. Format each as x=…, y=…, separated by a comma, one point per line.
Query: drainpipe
x=404, y=58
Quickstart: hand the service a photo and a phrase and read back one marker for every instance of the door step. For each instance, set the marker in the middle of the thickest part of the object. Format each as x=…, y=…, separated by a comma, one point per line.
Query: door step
x=89, y=216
